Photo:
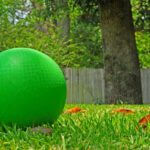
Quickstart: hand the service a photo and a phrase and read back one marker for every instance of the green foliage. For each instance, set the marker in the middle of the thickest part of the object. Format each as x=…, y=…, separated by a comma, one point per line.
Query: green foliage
x=50, y=44
x=141, y=17
x=141, y=14
x=89, y=35
x=37, y=29
x=143, y=45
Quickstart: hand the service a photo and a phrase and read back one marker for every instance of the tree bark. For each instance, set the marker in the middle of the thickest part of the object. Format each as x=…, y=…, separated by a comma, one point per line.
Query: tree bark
x=63, y=23
x=121, y=65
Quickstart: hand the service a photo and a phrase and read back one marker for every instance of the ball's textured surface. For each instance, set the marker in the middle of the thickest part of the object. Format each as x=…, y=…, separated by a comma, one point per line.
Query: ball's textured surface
x=32, y=88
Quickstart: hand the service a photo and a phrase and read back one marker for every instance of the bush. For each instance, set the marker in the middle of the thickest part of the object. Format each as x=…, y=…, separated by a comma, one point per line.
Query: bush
x=143, y=46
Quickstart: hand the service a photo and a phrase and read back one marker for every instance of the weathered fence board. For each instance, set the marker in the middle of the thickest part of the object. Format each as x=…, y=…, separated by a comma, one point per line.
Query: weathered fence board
x=145, y=80
x=84, y=85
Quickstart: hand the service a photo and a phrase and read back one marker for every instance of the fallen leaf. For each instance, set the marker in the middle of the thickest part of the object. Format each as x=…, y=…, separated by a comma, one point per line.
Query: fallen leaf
x=144, y=121
x=74, y=110
x=123, y=111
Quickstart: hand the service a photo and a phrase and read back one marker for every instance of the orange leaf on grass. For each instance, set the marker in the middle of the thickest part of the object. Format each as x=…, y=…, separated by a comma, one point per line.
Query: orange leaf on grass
x=124, y=111
x=74, y=110
x=143, y=122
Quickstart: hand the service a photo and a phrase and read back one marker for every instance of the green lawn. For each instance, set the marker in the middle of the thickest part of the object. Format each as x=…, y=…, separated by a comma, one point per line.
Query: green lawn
x=96, y=129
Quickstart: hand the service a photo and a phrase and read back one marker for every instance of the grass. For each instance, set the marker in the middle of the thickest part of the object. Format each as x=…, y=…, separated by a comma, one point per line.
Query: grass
x=95, y=129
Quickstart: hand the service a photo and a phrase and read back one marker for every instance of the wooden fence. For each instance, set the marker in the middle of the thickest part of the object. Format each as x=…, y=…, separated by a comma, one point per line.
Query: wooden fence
x=86, y=85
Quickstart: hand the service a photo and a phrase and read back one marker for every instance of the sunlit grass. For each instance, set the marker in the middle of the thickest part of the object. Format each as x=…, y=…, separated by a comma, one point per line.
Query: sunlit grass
x=97, y=128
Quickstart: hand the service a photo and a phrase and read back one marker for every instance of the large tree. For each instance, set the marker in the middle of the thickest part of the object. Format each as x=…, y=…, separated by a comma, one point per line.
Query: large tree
x=121, y=64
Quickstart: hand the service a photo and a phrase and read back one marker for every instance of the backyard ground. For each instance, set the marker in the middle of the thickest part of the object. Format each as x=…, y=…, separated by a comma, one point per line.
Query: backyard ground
x=98, y=127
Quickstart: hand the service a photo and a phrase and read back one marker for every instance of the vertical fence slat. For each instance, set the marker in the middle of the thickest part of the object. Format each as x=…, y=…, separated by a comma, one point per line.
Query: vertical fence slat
x=148, y=87
x=84, y=84
x=102, y=85
x=70, y=70
x=81, y=77
x=145, y=84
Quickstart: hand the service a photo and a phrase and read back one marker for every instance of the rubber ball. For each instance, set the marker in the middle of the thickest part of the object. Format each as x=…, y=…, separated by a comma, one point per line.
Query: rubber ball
x=32, y=88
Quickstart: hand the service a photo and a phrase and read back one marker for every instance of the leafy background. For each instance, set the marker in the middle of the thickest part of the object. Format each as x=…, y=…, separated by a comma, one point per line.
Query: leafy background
x=36, y=28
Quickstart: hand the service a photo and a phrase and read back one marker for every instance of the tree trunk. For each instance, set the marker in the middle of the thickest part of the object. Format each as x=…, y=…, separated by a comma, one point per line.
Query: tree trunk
x=121, y=65
x=64, y=26
x=63, y=22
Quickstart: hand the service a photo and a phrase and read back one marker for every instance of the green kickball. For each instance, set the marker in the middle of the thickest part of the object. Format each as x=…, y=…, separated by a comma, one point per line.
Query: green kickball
x=32, y=88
